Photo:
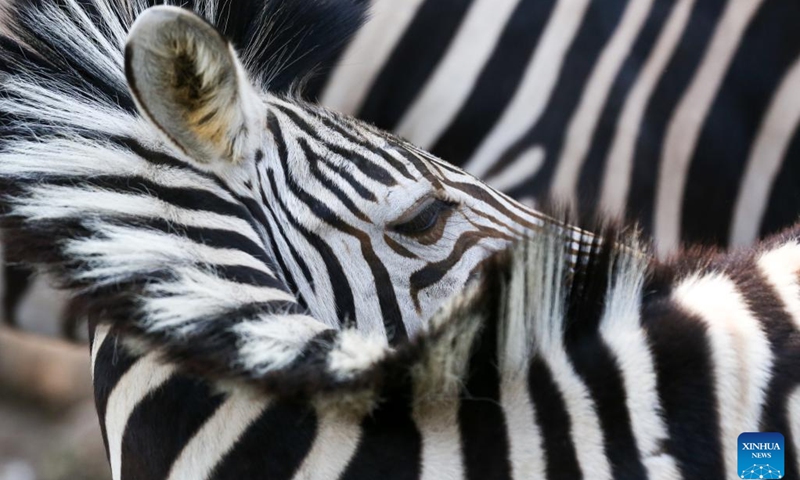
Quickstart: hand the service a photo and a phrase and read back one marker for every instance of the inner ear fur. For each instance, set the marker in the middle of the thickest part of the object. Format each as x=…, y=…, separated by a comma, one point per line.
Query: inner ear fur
x=187, y=80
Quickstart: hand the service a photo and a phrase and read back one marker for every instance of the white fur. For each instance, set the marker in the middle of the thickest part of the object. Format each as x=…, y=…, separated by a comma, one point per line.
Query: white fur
x=586, y=433
x=336, y=441
x=217, y=436
x=355, y=353
x=740, y=351
x=196, y=294
x=437, y=421
x=547, y=313
x=100, y=334
x=621, y=330
x=793, y=413
x=781, y=267
x=526, y=450
x=273, y=342
x=141, y=380
x=114, y=255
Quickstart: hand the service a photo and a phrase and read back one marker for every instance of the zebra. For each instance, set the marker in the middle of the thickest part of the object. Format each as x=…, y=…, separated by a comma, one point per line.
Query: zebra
x=617, y=367
x=681, y=115
x=247, y=326
x=644, y=107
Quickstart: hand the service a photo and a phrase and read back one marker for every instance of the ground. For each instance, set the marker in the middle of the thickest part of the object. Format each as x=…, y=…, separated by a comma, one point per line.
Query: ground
x=48, y=425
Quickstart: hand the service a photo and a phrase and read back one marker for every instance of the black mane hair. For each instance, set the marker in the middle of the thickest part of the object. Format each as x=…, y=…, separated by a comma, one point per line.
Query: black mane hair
x=281, y=42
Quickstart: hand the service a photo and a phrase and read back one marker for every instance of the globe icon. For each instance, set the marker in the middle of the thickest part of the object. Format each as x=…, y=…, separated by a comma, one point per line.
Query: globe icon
x=761, y=471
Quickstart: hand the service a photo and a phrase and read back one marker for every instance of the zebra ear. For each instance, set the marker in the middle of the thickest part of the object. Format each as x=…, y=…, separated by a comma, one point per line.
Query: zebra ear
x=187, y=80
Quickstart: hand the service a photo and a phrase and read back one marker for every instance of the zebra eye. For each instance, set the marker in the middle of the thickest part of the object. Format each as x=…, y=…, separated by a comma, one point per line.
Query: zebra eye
x=425, y=219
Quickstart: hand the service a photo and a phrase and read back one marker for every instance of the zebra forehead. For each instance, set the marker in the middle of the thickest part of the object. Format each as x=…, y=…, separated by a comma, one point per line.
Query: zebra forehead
x=346, y=142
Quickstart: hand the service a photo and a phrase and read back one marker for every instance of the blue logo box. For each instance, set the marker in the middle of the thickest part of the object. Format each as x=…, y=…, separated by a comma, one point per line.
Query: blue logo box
x=761, y=455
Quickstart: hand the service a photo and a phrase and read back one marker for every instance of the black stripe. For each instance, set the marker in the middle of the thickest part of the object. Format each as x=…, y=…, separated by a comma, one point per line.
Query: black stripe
x=422, y=167
x=111, y=363
x=589, y=183
x=215, y=238
x=593, y=360
x=351, y=135
x=273, y=446
x=18, y=279
x=390, y=309
x=162, y=159
x=348, y=177
x=246, y=276
x=561, y=460
x=765, y=304
x=497, y=82
x=666, y=95
x=685, y=382
x=343, y=295
x=390, y=447
x=484, y=436
x=595, y=364
x=412, y=61
x=599, y=23
x=299, y=261
x=367, y=167
x=313, y=165
x=162, y=424
x=741, y=103
x=192, y=199
x=784, y=199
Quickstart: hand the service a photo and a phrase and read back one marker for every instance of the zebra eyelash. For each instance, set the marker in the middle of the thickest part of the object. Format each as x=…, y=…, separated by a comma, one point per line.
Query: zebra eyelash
x=423, y=219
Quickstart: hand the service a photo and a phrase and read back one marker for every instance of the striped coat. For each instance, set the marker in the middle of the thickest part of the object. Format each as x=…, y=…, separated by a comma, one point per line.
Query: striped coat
x=280, y=291
x=650, y=371
x=680, y=114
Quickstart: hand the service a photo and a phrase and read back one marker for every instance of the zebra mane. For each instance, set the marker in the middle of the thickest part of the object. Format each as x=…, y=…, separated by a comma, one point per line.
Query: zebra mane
x=57, y=53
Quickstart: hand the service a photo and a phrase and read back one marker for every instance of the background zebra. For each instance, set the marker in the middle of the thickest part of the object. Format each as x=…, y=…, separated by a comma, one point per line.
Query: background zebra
x=190, y=233
x=683, y=114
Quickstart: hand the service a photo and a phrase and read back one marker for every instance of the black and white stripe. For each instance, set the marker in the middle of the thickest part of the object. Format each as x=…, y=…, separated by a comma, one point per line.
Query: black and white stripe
x=223, y=216
x=644, y=106
x=621, y=368
x=682, y=114
x=277, y=291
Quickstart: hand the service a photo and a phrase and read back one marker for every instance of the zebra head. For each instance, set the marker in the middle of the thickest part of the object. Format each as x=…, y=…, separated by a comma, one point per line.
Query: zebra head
x=241, y=231
x=366, y=230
